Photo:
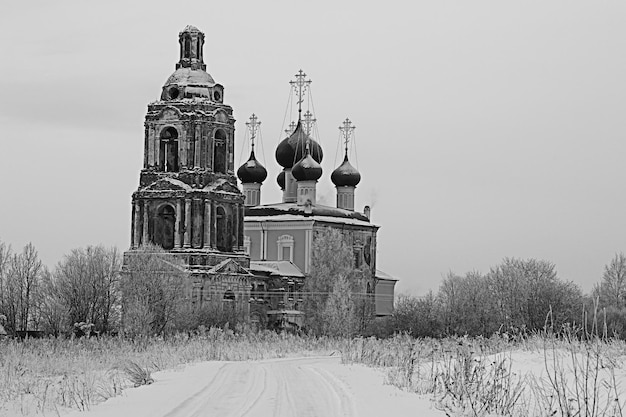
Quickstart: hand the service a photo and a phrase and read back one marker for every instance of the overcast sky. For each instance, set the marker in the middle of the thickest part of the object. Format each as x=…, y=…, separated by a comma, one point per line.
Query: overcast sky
x=485, y=129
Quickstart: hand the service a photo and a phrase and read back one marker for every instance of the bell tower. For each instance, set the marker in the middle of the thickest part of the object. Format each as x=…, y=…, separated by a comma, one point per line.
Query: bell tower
x=188, y=201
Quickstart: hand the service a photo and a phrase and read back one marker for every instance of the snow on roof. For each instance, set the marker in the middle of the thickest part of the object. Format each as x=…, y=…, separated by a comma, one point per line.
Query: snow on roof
x=295, y=217
x=281, y=268
x=293, y=208
x=383, y=275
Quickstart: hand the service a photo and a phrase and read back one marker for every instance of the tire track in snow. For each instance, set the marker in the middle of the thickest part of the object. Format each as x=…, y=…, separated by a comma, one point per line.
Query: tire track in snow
x=279, y=388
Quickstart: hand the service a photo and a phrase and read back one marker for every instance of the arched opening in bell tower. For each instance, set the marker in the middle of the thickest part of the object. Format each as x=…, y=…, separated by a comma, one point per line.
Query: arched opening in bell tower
x=223, y=230
x=187, y=47
x=168, y=150
x=164, y=227
x=219, y=152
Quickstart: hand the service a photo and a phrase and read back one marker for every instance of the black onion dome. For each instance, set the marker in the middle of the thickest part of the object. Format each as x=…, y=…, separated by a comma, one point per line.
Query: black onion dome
x=252, y=171
x=345, y=174
x=307, y=169
x=281, y=180
x=292, y=148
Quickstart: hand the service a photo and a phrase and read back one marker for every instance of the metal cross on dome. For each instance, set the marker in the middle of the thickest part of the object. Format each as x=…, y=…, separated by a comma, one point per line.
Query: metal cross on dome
x=308, y=122
x=300, y=85
x=253, y=126
x=291, y=128
x=346, y=130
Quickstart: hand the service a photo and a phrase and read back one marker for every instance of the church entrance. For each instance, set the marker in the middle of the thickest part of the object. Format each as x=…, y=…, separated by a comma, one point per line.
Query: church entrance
x=164, y=227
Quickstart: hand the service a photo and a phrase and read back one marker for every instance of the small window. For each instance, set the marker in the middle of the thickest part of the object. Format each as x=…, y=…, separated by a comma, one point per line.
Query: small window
x=217, y=96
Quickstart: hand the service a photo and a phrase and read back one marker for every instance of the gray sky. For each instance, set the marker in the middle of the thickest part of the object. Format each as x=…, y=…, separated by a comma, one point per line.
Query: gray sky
x=485, y=129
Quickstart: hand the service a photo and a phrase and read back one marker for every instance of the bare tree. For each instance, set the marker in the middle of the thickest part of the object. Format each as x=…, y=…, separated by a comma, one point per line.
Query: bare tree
x=612, y=289
x=20, y=285
x=155, y=289
x=87, y=282
x=5, y=256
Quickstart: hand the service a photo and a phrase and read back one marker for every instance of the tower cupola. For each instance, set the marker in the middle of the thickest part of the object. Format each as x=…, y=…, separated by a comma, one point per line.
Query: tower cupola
x=252, y=173
x=346, y=177
x=191, y=41
x=190, y=80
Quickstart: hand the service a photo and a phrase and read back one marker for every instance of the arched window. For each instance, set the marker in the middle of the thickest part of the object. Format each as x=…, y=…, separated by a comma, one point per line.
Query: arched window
x=164, y=227
x=223, y=230
x=219, y=151
x=168, y=150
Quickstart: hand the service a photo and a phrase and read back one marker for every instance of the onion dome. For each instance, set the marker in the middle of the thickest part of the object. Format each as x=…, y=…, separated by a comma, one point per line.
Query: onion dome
x=281, y=180
x=345, y=174
x=292, y=148
x=252, y=171
x=307, y=169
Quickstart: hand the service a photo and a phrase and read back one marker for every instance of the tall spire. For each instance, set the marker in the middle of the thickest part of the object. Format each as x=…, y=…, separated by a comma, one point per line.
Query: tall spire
x=300, y=85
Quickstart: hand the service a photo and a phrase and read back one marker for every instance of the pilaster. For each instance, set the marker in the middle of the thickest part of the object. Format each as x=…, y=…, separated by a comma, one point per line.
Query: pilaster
x=146, y=237
x=187, y=243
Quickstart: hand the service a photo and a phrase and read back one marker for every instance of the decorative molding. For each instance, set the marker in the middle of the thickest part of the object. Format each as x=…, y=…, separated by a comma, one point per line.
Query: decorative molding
x=271, y=225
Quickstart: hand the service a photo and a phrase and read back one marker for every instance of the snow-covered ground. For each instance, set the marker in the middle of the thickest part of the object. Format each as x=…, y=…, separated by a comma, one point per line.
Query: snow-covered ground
x=311, y=386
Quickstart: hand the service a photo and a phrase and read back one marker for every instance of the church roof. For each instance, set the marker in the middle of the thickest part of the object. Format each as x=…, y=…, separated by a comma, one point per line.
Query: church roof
x=192, y=77
x=279, y=209
x=384, y=276
x=277, y=268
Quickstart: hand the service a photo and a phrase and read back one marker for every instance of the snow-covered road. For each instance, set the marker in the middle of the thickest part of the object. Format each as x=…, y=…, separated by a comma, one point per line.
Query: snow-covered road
x=315, y=386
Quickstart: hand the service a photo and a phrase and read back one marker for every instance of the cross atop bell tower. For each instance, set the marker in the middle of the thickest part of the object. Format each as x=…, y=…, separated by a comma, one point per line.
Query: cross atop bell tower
x=191, y=41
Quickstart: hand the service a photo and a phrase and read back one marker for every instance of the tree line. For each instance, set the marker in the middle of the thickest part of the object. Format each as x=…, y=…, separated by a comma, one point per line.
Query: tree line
x=515, y=296
x=87, y=291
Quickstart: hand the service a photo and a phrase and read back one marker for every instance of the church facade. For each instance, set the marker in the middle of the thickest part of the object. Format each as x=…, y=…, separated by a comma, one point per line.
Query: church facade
x=188, y=202
x=286, y=230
